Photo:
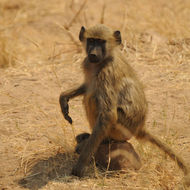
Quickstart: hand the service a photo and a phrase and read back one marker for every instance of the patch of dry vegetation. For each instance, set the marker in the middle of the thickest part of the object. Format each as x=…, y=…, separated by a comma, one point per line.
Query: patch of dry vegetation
x=7, y=55
x=41, y=53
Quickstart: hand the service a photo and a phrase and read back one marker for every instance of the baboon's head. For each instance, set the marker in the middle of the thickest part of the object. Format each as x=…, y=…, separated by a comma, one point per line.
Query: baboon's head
x=99, y=42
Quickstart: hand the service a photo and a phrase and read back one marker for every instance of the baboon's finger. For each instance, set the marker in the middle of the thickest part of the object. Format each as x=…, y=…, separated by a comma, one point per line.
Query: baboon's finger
x=68, y=118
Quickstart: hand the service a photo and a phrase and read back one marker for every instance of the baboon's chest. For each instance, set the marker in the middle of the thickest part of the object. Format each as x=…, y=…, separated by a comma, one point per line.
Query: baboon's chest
x=90, y=104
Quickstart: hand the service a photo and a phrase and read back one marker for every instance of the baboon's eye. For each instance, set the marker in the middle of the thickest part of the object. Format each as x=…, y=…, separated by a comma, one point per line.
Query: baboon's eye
x=101, y=41
x=95, y=40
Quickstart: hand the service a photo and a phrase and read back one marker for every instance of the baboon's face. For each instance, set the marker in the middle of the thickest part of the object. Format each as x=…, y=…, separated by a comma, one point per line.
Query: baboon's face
x=99, y=41
x=95, y=49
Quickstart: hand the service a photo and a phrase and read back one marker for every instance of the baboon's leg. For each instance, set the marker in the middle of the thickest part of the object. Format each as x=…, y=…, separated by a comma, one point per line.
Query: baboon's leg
x=98, y=134
x=124, y=151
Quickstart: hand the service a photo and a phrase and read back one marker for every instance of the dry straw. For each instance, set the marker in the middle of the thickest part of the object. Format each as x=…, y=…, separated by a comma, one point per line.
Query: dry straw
x=37, y=145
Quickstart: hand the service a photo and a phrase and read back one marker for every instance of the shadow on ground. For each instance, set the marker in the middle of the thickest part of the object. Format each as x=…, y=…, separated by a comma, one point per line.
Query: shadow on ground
x=54, y=168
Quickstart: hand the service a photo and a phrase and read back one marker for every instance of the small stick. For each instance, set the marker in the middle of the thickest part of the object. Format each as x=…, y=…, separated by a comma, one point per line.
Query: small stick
x=103, y=13
x=75, y=16
x=85, y=19
x=71, y=37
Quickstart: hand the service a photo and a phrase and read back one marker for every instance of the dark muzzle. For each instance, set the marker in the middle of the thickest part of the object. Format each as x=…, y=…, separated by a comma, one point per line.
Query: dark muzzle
x=93, y=58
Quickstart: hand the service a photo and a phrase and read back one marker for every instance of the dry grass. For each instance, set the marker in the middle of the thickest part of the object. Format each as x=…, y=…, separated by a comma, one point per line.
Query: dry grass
x=7, y=54
x=40, y=55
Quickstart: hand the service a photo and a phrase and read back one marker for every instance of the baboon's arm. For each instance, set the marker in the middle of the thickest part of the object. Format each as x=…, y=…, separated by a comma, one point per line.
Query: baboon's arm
x=64, y=99
x=69, y=94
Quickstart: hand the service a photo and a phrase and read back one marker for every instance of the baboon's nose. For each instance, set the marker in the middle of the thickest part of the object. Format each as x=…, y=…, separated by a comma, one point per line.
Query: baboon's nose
x=93, y=58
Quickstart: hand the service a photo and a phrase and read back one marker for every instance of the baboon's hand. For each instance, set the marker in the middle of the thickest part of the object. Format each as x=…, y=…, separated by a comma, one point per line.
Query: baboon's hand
x=65, y=108
x=81, y=137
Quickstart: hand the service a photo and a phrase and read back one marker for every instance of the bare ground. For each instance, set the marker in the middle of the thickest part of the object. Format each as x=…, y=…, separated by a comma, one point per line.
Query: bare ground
x=39, y=59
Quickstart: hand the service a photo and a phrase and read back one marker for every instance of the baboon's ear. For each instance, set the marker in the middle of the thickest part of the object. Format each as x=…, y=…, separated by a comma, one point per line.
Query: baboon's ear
x=117, y=36
x=81, y=34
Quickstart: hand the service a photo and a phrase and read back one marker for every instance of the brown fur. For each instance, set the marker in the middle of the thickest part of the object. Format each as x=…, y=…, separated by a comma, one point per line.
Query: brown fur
x=114, y=99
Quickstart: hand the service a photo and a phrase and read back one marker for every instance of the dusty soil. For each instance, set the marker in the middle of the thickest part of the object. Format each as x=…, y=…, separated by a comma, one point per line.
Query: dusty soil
x=40, y=58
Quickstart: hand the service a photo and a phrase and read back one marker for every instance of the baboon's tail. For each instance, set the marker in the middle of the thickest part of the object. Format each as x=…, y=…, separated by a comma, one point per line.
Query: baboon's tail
x=149, y=137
